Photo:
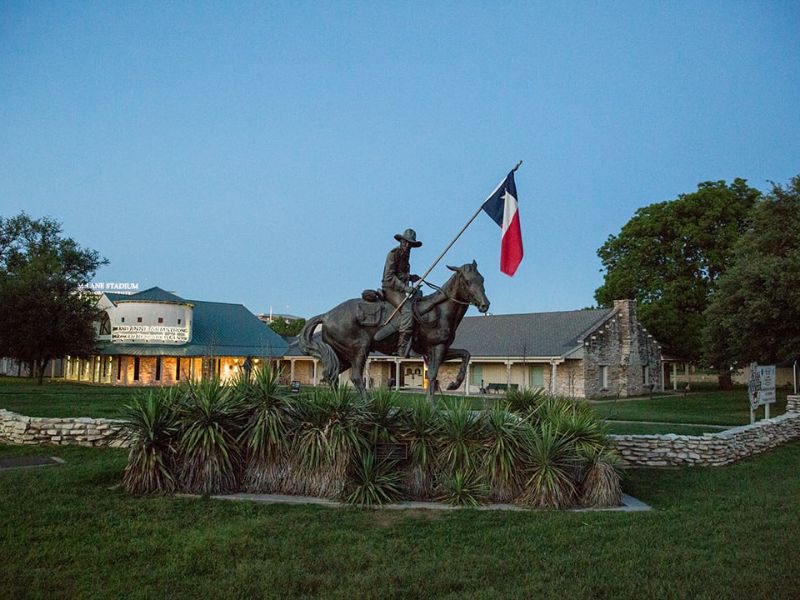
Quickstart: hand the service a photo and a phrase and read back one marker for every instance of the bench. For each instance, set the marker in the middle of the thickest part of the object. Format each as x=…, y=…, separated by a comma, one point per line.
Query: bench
x=501, y=387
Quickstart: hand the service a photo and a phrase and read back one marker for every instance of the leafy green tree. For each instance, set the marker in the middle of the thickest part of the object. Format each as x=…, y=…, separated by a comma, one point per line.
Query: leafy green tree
x=669, y=257
x=44, y=314
x=753, y=316
x=286, y=328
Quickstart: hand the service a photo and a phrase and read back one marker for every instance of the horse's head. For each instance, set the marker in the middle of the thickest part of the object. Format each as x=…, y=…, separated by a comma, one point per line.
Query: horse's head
x=470, y=285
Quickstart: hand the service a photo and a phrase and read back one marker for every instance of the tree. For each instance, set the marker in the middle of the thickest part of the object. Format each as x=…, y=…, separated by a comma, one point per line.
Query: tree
x=753, y=315
x=286, y=328
x=44, y=313
x=669, y=257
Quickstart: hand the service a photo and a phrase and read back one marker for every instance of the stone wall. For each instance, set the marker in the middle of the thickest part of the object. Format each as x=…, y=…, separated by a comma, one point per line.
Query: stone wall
x=81, y=431
x=709, y=449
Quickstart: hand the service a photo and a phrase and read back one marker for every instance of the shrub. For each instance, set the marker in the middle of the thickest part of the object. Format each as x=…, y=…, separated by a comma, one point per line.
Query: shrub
x=524, y=401
x=464, y=488
x=419, y=425
x=209, y=452
x=461, y=432
x=374, y=482
x=600, y=485
x=150, y=427
x=552, y=465
x=264, y=435
x=504, y=453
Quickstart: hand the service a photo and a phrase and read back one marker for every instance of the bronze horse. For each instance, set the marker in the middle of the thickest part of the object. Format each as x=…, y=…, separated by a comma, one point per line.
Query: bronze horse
x=348, y=330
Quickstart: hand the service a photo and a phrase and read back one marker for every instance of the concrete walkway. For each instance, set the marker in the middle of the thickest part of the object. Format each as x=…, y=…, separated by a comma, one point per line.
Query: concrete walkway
x=629, y=503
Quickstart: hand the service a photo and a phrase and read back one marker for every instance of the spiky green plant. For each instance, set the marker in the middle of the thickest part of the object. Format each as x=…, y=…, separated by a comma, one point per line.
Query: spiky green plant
x=524, y=401
x=374, y=482
x=464, y=488
x=552, y=462
x=461, y=432
x=504, y=452
x=209, y=452
x=575, y=420
x=150, y=427
x=327, y=434
x=601, y=485
x=264, y=436
x=419, y=427
x=382, y=416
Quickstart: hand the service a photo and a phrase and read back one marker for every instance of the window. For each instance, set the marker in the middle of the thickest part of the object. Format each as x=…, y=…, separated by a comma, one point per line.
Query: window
x=136, y=369
x=604, y=377
x=160, y=319
x=179, y=321
x=178, y=369
x=123, y=319
x=537, y=376
x=476, y=375
x=138, y=319
x=158, y=368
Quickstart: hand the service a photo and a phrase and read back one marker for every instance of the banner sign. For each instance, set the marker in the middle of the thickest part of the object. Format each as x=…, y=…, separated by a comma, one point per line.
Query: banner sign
x=762, y=385
x=149, y=333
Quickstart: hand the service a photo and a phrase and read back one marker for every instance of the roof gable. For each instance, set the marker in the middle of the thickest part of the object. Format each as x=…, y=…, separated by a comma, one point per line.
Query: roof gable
x=153, y=294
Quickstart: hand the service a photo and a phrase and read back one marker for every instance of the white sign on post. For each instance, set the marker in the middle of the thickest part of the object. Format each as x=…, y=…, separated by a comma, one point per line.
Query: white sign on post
x=762, y=388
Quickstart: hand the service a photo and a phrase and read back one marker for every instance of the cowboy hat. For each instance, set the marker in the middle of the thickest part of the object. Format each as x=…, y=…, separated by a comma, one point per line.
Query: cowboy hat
x=410, y=236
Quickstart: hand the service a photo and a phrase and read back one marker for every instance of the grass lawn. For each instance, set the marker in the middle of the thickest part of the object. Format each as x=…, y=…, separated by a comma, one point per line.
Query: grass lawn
x=724, y=532
x=712, y=408
x=656, y=428
x=59, y=399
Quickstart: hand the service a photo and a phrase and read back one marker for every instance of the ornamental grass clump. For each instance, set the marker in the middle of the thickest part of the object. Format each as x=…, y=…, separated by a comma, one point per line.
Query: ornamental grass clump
x=504, y=453
x=382, y=416
x=524, y=401
x=264, y=437
x=419, y=428
x=461, y=432
x=374, y=482
x=150, y=427
x=326, y=437
x=209, y=453
x=600, y=485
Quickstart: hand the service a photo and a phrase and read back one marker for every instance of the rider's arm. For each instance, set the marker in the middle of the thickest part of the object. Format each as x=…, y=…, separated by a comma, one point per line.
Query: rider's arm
x=390, y=278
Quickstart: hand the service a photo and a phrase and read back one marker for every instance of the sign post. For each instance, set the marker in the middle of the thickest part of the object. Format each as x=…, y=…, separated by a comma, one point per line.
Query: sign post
x=761, y=389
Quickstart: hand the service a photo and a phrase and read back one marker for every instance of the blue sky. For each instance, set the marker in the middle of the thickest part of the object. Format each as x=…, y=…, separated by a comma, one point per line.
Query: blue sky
x=267, y=153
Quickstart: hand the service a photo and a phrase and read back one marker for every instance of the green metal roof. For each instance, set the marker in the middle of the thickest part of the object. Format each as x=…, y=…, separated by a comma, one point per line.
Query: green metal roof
x=153, y=294
x=218, y=329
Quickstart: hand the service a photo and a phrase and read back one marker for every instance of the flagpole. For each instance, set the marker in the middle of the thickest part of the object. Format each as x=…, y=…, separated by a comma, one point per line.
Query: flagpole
x=436, y=262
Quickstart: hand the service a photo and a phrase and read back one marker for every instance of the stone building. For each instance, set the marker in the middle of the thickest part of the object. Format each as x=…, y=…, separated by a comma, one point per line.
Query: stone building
x=157, y=338
x=582, y=353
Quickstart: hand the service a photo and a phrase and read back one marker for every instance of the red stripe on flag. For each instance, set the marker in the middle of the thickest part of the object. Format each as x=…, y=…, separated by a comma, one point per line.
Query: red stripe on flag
x=511, y=247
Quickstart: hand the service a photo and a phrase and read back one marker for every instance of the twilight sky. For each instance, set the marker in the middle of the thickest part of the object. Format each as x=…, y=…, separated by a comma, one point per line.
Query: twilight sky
x=267, y=153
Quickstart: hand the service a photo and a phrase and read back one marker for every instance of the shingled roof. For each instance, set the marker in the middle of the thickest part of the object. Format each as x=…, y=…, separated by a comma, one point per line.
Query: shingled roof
x=546, y=334
x=153, y=294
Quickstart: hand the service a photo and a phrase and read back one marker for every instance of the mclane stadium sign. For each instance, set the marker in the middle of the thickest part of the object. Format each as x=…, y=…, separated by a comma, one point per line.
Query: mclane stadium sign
x=149, y=334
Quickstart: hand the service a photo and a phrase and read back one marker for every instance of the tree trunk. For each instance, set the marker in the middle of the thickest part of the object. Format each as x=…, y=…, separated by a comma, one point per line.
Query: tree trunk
x=725, y=382
x=41, y=367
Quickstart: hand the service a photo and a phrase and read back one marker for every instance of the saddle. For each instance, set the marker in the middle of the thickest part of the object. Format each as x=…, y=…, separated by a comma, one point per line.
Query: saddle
x=375, y=309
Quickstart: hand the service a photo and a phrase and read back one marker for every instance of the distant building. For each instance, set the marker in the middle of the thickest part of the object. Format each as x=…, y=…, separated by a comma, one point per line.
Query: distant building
x=155, y=337
x=582, y=353
x=269, y=318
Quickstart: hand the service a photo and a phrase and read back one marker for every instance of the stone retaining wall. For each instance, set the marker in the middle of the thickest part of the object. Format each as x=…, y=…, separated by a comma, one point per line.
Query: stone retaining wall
x=710, y=449
x=81, y=431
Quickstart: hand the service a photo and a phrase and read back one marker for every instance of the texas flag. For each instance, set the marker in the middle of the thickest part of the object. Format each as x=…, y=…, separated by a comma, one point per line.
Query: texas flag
x=502, y=207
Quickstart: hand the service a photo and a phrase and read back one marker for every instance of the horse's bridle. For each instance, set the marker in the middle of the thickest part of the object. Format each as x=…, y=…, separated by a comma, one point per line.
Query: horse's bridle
x=446, y=295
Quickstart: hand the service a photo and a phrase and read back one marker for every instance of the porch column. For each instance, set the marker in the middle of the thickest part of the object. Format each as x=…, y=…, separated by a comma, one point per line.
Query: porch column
x=675, y=376
x=366, y=373
x=508, y=374
x=663, y=388
x=553, y=375
x=314, y=376
x=686, y=372
x=397, y=374
x=291, y=370
x=466, y=378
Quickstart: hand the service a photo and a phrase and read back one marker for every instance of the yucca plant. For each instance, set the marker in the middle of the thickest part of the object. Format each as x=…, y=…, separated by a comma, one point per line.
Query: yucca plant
x=600, y=485
x=209, y=453
x=382, y=416
x=577, y=421
x=464, y=488
x=328, y=433
x=419, y=426
x=551, y=469
x=504, y=452
x=524, y=401
x=150, y=428
x=264, y=436
x=374, y=482
x=461, y=432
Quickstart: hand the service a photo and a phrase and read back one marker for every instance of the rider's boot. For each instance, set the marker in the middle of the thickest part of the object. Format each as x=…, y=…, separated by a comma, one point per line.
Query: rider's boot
x=385, y=332
x=404, y=344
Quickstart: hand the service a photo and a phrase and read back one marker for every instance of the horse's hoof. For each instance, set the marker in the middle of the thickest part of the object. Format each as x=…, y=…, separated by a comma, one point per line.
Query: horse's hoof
x=452, y=386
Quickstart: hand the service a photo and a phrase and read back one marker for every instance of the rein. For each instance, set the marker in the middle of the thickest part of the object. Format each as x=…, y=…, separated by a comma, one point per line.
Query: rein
x=448, y=296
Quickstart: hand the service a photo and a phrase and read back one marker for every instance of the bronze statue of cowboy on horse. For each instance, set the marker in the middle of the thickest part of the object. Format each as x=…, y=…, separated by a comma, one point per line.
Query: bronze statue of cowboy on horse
x=397, y=319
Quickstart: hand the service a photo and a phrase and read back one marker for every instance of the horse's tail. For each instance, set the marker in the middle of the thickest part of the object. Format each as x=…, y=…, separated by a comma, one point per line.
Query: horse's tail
x=319, y=349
